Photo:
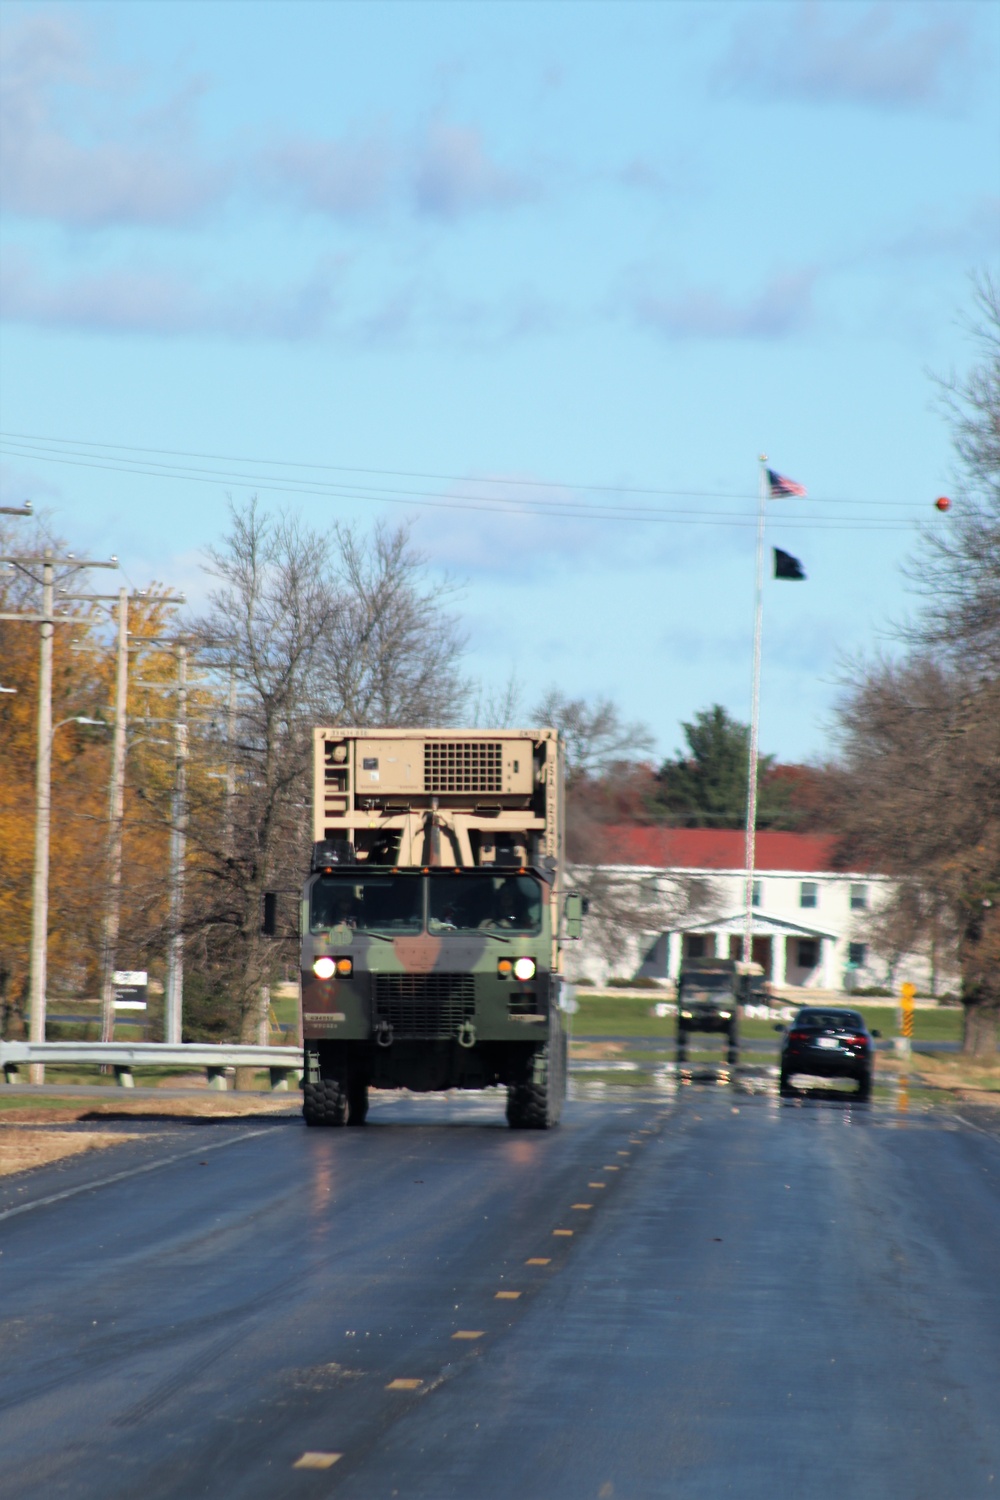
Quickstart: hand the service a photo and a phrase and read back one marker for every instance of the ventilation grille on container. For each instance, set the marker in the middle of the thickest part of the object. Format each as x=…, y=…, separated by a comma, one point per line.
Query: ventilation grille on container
x=463, y=766
x=424, y=1005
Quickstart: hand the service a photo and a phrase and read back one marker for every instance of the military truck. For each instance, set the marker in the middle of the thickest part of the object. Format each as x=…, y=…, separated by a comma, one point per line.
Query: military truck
x=434, y=918
x=709, y=994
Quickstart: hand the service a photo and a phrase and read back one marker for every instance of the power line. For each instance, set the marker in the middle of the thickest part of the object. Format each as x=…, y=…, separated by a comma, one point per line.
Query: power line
x=565, y=509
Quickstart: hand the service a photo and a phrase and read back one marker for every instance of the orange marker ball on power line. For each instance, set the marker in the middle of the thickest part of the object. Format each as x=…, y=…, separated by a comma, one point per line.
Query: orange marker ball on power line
x=942, y=503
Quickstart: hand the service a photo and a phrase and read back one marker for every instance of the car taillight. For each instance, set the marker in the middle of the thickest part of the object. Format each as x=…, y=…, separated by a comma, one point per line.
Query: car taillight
x=857, y=1041
x=798, y=1036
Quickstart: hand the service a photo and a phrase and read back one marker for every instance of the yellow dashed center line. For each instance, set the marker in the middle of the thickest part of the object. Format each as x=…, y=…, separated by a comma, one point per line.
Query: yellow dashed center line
x=403, y=1385
x=597, y=1184
x=316, y=1461
x=566, y=1232
x=468, y=1333
x=583, y=1205
x=506, y=1296
x=611, y=1169
x=538, y=1260
x=623, y=1153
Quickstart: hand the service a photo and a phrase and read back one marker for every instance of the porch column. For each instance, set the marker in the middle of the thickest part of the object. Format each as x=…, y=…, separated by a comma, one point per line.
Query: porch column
x=721, y=949
x=779, y=963
x=674, y=940
x=826, y=950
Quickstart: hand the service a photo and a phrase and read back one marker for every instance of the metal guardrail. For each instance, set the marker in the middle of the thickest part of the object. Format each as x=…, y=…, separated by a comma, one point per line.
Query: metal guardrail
x=281, y=1062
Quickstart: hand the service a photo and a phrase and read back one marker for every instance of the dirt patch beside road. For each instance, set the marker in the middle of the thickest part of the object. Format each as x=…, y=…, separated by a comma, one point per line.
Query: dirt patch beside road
x=232, y=1106
x=22, y=1149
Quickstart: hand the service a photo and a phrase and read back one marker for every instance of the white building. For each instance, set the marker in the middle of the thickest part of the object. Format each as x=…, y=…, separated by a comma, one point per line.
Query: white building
x=810, y=921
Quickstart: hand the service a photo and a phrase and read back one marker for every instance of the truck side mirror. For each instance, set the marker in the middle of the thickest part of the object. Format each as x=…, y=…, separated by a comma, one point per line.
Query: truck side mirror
x=269, y=917
x=573, y=911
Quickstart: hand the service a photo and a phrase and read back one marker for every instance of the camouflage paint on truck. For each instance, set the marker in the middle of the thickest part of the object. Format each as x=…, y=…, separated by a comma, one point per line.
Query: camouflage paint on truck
x=434, y=918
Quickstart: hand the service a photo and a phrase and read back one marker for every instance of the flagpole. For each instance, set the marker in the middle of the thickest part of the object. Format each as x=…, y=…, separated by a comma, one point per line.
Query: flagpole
x=758, y=626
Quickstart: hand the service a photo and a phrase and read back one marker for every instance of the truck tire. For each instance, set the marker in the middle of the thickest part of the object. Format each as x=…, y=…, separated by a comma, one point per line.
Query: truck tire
x=733, y=1050
x=357, y=1101
x=324, y=1103
x=537, y=1104
x=682, y=1044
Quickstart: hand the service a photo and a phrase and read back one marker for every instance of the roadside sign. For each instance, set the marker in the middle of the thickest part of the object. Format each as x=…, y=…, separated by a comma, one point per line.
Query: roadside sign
x=907, y=992
x=130, y=988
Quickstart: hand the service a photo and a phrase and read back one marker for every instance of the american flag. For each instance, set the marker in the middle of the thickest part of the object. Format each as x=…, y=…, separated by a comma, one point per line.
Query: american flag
x=781, y=487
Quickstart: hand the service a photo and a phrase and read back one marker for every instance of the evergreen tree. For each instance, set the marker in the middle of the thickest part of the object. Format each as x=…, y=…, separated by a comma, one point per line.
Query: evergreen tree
x=707, y=786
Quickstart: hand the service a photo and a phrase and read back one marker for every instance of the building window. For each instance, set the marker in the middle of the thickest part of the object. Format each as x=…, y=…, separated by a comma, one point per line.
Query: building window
x=809, y=893
x=694, y=945
x=857, y=954
x=755, y=894
x=808, y=953
x=859, y=898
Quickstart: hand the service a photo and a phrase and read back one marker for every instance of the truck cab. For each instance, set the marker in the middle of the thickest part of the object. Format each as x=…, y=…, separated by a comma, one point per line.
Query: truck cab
x=709, y=994
x=434, y=920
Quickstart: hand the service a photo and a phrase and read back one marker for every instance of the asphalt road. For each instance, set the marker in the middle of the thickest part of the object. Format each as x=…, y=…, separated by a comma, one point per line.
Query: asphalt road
x=762, y=1299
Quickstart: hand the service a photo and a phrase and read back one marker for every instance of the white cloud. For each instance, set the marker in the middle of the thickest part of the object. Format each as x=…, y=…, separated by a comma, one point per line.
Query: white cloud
x=141, y=170
x=886, y=55
x=454, y=174
x=782, y=308
x=141, y=300
x=345, y=179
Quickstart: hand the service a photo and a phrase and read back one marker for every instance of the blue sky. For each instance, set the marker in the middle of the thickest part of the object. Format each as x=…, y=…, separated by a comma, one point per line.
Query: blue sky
x=568, y=260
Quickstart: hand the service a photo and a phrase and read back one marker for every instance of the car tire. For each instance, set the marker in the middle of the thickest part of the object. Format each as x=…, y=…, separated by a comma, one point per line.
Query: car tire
x=864, y=1087
x=784, y=1085
x=682, y=1044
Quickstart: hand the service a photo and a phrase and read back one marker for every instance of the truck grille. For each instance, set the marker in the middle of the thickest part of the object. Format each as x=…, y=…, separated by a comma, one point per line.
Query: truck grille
x=424, y=1005
x=463, y=766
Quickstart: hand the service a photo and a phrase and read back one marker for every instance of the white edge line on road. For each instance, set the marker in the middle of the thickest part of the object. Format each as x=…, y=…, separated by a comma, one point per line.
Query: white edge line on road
x=980, y=1129
x=151, y=1166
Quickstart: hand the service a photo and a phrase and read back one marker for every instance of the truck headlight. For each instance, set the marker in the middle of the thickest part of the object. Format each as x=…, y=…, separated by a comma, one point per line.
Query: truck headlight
x=725, y=1014
x=524, y=968
x=324, y=968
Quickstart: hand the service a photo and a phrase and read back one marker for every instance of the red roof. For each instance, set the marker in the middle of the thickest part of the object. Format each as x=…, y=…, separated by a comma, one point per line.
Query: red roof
x=715, y=849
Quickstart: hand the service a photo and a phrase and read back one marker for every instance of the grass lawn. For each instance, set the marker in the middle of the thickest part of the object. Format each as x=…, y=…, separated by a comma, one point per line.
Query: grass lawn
x=630, y=1015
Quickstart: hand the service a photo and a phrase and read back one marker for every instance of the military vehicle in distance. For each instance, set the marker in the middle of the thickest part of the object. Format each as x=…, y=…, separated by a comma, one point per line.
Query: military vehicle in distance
x=709, y=994
x=433, y=920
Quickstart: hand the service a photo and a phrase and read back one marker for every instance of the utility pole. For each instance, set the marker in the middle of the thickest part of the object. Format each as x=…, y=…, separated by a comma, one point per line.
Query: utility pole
x=116, y=804
x=231, y=764
x=173, y=1000
x=116, y=819
x=43, y=782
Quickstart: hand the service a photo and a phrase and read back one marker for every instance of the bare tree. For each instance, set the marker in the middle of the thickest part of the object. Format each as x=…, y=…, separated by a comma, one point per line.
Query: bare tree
x=918, y=796
x=958, y=569
x=275, y=606
x=392, y=654
x=595, y=735
x=920, y=767
x=344, y=628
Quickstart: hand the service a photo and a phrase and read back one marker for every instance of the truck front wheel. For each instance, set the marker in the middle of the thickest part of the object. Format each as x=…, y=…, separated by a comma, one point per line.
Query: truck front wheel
x=537, y=1103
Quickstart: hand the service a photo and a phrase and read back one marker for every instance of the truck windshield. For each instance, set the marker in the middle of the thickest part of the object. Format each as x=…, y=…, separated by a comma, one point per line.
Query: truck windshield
x=379, y=903
x=508, y=903
x=707, y=981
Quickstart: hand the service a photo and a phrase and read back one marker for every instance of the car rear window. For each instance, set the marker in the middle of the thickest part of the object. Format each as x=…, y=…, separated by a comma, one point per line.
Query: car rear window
x=830, y=1020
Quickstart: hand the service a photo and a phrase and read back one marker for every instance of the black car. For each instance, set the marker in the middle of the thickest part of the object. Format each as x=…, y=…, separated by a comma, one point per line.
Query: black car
x=828, y=1043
